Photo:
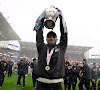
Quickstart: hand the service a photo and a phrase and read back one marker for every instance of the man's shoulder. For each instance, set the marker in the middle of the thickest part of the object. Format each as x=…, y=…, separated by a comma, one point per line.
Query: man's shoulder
x=1, y=62
x=85, y=64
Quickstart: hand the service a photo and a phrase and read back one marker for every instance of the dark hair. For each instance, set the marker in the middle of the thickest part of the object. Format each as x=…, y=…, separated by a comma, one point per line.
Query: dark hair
x=34, y=59
x=94, y=63
x=3, y=56
x=51, y=33
x=84, y=60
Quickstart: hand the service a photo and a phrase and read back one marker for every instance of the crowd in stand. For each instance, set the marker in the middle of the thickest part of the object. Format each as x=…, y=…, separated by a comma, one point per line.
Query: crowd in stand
x=74, y=70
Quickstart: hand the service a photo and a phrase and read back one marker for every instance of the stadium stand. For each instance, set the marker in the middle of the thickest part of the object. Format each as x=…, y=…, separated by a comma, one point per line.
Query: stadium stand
x=73, y=52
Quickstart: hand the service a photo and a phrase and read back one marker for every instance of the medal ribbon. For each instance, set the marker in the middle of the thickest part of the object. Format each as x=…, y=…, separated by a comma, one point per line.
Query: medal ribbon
x=49, y=55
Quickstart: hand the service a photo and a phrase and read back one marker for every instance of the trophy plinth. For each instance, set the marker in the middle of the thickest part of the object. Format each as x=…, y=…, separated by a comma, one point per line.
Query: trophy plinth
x=49, y=24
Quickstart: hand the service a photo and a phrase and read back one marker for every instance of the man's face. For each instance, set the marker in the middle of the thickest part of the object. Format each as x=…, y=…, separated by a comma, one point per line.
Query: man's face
x=78, y=62
x=51, y=40
x=4, y=58
x=23, y=57
x=95, y=65
x=73, y=63
x=83, y=61
x=66, y=60
x=10, y=59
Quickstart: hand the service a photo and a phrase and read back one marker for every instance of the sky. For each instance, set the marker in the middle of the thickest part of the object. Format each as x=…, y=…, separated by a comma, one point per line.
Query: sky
x=82, y=18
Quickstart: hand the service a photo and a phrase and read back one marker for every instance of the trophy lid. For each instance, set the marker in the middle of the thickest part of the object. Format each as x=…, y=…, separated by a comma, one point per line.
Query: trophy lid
x=51, y=8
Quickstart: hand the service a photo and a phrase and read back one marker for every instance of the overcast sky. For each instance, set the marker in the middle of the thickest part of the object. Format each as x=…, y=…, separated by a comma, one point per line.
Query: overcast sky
x=82, y=18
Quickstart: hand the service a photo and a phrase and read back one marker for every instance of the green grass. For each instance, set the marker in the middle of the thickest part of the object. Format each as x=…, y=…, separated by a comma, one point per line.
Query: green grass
x=10, y=83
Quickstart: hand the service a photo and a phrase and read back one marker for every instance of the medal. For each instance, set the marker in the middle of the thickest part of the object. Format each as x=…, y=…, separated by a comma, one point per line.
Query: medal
x=47, y=68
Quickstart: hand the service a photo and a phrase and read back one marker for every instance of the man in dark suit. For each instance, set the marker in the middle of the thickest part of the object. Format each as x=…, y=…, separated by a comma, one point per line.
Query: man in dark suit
x=34, y=66
x=3, y=70
x=10, y=65
x=22, y=66
x=66, y=78
x=94, y=76
x=85, y=76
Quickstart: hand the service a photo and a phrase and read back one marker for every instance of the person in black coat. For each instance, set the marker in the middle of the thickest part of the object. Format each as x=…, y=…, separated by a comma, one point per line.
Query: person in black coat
x=85, y=76
x=34, y=66
x=66, y=78
x=22, y=66
x=72, y=74
x=51, y=71
x=3, y=70
x=80, y=65
x=10, y=65
x=94, y=76
x=75, y=72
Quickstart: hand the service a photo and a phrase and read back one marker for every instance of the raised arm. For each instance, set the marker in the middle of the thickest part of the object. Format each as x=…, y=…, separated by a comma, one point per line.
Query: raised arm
x=63, y=31
x=39, y=30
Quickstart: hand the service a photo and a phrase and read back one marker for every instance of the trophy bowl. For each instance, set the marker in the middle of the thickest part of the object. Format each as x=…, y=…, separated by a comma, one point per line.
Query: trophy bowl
x=50, y=17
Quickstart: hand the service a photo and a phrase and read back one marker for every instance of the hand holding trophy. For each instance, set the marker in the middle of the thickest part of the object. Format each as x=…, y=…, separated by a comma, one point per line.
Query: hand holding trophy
x=48, y=19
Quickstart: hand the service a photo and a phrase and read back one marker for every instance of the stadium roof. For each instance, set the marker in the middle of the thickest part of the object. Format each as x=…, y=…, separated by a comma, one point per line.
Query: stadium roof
x=6, y=31
x=77, y=49
x=70, y=48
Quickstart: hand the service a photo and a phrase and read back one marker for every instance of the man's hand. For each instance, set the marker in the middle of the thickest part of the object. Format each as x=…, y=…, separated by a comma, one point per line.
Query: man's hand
x=81, y=74
x=60, y=13
x=4, y=72
x=69, y=67
x=93, y=80
x=58, y=9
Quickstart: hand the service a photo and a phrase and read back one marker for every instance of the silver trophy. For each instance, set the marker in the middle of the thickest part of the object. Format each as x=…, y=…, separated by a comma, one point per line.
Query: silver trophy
x=51, y=17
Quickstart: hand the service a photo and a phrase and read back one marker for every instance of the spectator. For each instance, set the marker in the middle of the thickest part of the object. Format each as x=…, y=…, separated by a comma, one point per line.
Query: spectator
x=22, y=66
x=34, y=66
x=94, y=76
x=85, y=76
x=3, y=70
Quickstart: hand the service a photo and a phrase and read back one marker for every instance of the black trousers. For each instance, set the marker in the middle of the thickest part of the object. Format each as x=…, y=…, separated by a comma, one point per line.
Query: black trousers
x=45, y=86
x=93, y=85
x=73, y=83
x=66, y=82
x=9, y=73
x=34, y=77
x=19, y=78
x=86, y=82
x=1, y=79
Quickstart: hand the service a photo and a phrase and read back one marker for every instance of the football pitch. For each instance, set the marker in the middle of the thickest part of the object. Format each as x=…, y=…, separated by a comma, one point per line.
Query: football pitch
x=10, y=83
